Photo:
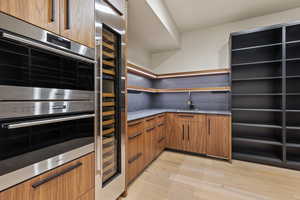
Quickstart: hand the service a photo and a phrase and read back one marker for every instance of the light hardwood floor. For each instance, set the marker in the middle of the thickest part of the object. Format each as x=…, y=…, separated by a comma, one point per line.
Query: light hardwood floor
x=175, y=176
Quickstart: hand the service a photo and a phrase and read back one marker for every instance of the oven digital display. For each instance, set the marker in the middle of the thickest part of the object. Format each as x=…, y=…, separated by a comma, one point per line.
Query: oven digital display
x=58, y=41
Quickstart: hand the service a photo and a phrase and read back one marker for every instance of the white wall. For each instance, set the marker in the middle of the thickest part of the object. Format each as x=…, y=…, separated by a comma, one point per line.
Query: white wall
x=208, y=48
x=137, y=54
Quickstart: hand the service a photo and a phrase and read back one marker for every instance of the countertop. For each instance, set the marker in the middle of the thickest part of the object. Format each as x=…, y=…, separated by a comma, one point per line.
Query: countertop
x=150, y=112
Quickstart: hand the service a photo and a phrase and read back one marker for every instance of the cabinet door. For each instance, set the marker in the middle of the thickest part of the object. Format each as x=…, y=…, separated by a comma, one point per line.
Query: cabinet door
x=70, y=182
x=218, y=141
x=90, y=195
x=178, y=135
x=197, y=135
x=77, y=21
x=42, y=13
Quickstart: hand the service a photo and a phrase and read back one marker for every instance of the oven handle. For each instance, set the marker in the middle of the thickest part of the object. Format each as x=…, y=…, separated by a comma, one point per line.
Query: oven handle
x=46, y=121
x=36, y=44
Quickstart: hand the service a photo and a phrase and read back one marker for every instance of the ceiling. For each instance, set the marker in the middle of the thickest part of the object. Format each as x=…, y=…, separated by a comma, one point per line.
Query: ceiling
x=146, y=28
x=195, y=14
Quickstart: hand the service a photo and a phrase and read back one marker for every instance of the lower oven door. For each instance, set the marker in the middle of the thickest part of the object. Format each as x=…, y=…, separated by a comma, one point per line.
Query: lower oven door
x=33, y=145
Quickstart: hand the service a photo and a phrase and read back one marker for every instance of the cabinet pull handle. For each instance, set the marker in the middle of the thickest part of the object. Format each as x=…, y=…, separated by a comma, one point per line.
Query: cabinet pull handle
x=52, y=6
x=182, y=132
x=189, y=132
x=135, y=135
x=208, y=126
x=67, y=14
x=159, y=125
x=134, y=158
x=150, y=129
x=186, y=116
x=161, y=139
x=54, y=176
x=134, y=124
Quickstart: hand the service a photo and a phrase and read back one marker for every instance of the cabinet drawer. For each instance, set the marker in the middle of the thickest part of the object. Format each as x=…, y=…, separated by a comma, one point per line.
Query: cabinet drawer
x=135, y=128
x=150, y=123
x=186, y=116
x=68, y=182
x=161, y=119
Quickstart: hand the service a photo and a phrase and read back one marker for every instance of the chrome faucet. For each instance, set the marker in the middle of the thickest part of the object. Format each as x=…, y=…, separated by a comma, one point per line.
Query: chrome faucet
x=190, y=101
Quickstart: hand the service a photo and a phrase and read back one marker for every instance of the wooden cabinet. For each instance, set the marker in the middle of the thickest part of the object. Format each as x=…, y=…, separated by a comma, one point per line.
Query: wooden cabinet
x=177, y=135
x=202, y=134
x=73, y=19
x=219, y=136
x=136, y=154
x=77, y=21
x=189, y=133
x=42, y=13
x=196, y=134
x=69, y=182
x=90, y=195
x=161, y=134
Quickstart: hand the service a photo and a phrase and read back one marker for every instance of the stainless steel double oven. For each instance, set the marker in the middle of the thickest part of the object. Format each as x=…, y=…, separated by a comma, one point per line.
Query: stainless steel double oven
x=46, y=101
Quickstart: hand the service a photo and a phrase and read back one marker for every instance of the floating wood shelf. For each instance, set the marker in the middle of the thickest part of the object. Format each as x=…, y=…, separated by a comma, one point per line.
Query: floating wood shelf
x=132, y=68
x=177, y=90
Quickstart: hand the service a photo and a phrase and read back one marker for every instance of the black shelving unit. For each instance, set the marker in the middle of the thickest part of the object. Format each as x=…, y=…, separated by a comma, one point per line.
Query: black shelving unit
x=265, y=100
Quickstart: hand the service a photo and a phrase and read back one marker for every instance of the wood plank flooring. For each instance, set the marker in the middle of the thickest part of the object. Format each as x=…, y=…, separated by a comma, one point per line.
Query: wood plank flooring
x=175, y=176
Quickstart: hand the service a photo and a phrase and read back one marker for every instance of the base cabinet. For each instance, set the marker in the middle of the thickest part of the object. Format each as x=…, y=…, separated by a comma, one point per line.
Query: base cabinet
x=219, y=136
x=196, y=133
x=199, y=133
x=146, y=140
x=73, y=185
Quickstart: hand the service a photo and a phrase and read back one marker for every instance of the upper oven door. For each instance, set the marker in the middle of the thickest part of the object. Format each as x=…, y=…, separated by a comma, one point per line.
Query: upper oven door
x=30, y=70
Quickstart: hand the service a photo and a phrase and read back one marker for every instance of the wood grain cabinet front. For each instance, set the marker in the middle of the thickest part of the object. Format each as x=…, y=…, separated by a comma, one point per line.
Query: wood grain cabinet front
x=42, y=13
x=68, y=182
x=73, y=19
x=77, y=21
x=219, y=136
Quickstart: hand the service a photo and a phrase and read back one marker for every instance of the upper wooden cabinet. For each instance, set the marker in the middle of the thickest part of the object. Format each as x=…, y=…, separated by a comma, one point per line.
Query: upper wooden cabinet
x=73, y=19
x=69, y=182
x=77, y=21
x=42, y=13
x=219, y=136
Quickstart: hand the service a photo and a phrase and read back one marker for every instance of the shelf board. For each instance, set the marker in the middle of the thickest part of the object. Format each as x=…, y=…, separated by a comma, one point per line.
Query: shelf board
x=259, y=62
x=257, y=47
x=141, y=89
x=293, y=94
x=292, y=110
x=257, y=78
x=108, y=63
x=294, y=145
x=179, y=90
x=293, y=127
x=256, y=158
x=293, y=42
x=293, y=59
x=111, y=47
x=256, y=110
x=256, y=125
x=257, y=140
x=257, y=94
x=291, y=77
x=109, y=72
